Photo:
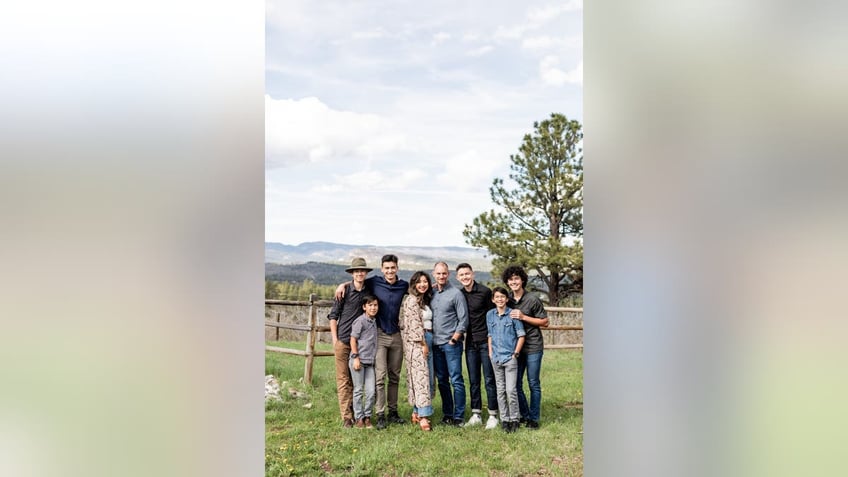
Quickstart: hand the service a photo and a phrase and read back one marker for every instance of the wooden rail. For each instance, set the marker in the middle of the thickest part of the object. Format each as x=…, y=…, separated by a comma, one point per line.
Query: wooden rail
x=559, y=309
x=312, y=330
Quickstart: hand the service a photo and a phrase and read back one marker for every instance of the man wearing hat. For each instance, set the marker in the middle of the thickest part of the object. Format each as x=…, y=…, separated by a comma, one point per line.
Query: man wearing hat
x=341, y=316
x=389, y=290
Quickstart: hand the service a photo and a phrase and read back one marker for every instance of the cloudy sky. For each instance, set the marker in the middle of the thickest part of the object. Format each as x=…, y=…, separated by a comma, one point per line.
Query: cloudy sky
x=386, y=121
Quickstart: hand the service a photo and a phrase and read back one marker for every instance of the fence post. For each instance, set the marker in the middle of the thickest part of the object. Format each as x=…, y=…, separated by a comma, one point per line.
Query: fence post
x=310, y=339
x=278, y=313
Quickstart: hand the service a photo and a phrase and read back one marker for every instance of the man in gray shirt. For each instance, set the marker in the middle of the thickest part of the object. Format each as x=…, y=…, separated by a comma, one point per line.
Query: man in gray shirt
x=450, y=320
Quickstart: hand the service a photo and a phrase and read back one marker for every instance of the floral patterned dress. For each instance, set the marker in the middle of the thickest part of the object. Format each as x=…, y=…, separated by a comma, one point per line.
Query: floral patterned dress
x=417, y=372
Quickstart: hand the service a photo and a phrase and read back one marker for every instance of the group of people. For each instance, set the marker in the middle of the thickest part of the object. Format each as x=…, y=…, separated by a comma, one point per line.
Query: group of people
x=379, y=322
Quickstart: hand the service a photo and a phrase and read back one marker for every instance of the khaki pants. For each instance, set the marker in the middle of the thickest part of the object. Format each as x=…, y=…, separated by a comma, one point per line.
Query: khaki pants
x=344, y=384
x=388, y=362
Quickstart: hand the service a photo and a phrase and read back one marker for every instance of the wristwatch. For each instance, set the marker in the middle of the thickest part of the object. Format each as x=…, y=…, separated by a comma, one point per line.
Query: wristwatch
x=354, y=355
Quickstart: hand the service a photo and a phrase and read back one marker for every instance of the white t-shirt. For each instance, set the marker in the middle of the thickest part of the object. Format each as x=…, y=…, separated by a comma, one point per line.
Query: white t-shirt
x=427, y=317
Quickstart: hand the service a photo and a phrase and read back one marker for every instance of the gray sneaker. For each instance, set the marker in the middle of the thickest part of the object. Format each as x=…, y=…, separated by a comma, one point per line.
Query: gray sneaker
x=474, y=421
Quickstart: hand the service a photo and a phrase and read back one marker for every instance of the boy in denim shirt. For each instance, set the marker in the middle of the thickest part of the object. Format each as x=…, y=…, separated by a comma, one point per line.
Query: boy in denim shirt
x=506, y=337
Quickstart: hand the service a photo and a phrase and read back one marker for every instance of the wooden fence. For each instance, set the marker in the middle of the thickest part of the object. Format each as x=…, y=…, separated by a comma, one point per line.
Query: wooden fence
x=553, y=310
x=312, y=329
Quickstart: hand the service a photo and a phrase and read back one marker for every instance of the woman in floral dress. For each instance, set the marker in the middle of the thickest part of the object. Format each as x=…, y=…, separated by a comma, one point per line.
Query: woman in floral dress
x=415, y=310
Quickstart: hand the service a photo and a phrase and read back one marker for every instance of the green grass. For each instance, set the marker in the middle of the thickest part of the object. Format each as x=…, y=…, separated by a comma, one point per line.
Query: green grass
x=301, y=441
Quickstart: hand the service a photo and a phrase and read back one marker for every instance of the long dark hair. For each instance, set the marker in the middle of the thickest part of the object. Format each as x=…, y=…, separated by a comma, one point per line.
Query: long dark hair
x=424, y=299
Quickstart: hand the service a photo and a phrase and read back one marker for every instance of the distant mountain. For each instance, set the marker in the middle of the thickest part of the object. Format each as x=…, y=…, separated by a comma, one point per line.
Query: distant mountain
x=329, y=274
x=411, y=258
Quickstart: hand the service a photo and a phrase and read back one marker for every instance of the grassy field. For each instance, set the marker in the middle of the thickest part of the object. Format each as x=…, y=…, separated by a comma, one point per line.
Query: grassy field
x=303, y=435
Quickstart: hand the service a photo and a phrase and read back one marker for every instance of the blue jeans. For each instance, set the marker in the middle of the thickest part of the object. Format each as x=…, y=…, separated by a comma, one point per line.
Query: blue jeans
x=532, y=364
x=428, y=337
x=477, y=356
x=447, y=359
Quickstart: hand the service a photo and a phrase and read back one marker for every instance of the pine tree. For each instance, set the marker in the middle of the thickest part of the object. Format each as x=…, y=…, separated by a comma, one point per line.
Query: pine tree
x=538, y=222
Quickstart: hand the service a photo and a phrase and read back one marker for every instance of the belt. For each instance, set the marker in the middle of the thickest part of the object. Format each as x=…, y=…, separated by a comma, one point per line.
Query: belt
x=425, y=329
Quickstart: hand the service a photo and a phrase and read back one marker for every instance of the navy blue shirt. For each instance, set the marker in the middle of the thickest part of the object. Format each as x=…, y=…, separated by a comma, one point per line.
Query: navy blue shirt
x=390, y=296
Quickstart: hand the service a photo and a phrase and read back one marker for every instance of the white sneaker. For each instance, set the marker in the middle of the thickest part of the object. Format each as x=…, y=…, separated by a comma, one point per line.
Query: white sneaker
x=492, y=422
x=474, y=421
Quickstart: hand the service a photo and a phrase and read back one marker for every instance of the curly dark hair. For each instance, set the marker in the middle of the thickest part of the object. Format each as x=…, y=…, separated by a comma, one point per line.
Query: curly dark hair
x=515, y=270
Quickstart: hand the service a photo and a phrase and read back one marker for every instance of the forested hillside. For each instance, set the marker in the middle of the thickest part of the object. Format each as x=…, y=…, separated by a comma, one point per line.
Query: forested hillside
x=330, y=274
x=320, y=273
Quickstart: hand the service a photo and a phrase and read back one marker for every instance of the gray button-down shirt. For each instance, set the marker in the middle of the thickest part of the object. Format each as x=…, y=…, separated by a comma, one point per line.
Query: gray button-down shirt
x=364, y=330
x=450, y=313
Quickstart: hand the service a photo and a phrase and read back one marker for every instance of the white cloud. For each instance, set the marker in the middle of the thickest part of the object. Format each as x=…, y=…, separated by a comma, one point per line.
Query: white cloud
x=554, y=76
x=550, y=12
x=410, y=178
x=369, y=34
x=510, y=33
x=480, y=51
x=395, y=104
x=440, y=38
x=307, y=129
x=536, y=18
x=468, y=171
x=546, y=42
x=439, y=109
x=373, y=181
x=360, y=180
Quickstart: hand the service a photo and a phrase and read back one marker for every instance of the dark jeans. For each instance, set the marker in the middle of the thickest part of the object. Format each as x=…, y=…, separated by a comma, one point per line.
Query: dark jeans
x=532, y=365
x=447, y=359
x=477, y=356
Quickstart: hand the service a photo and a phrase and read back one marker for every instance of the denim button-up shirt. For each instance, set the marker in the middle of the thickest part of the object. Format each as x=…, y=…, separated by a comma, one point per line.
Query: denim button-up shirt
x=504, y=332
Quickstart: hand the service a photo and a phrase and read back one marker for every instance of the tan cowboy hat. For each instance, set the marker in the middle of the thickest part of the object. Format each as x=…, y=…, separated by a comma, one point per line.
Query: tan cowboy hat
x=358, y=263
